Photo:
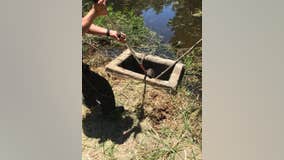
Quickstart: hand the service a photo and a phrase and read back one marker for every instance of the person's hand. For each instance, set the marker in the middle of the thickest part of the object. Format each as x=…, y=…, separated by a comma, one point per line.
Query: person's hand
x=119, y=36
x=100, y=7
x=102, y=2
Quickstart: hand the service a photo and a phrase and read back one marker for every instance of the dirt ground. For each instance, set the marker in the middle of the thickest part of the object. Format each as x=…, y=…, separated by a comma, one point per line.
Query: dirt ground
x=166, y=127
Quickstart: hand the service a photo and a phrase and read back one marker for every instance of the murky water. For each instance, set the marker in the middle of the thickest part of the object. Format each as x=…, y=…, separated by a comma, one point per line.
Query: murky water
x=177, y=22
x=158, y=22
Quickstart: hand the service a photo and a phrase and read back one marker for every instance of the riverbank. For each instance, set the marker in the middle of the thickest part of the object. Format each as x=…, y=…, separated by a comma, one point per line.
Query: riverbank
x=168, y=126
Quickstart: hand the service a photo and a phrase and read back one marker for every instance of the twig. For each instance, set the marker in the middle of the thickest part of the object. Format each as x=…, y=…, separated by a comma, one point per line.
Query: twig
x=144, y=90
x=187, y=52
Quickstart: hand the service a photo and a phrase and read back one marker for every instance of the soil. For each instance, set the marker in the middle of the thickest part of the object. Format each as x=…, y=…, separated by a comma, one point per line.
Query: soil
x=125, y=136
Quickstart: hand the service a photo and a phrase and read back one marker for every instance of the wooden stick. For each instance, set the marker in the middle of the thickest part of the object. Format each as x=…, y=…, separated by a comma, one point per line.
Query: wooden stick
x=132, y=51
x=187, y=52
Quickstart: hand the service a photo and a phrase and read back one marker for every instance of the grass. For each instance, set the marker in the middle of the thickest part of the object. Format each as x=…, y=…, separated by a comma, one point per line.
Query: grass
x=109, y=152
x=141, y=38
x=171, y=128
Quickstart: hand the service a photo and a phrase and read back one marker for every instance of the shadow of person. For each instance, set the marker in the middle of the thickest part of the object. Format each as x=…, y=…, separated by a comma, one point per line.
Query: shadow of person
x=116, y=127
x=105, y=121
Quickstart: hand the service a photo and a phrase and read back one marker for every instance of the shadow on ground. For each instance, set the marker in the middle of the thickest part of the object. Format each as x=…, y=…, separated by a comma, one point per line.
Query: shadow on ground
x=116, y=127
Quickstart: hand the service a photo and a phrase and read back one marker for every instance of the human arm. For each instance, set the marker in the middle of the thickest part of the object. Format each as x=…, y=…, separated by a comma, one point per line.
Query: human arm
x=121, y=37
x=98, y=9
x=88, y=19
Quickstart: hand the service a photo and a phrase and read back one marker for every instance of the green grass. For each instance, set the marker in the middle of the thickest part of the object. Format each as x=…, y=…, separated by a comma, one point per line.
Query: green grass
x=109, y=152
x=180, y=134
x=138, y=36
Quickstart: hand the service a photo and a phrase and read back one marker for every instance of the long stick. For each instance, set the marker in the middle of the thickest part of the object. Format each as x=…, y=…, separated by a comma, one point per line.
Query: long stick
x=187, y=52
x=128, y=46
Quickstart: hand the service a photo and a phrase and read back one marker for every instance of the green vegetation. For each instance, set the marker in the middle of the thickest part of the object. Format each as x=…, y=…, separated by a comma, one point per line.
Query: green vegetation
x=138, y=36
x=172, y=127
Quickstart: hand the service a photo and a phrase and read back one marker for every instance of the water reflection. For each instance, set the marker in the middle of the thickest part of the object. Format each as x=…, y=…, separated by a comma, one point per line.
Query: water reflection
x=158, y=22
x=176, y=21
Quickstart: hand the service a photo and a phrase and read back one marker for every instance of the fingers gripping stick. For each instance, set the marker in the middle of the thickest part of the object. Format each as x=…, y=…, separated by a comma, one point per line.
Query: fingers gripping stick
x=100, y=2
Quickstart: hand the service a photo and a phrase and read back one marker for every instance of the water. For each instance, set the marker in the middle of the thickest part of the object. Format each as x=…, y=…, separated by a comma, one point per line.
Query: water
x=158, y=22
x=177, y=22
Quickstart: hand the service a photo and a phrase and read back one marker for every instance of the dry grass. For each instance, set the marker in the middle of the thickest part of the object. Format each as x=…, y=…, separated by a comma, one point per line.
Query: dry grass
x=169, y=128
